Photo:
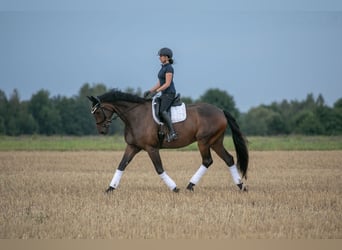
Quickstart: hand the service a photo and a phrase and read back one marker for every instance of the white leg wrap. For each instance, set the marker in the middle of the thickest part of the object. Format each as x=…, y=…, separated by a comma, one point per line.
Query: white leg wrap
x=235, y=174
x=168, y=181
x=198, y=175
x=116, y=178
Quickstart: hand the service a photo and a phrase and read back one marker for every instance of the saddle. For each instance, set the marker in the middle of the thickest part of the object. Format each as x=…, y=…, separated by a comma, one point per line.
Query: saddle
x=177, y=111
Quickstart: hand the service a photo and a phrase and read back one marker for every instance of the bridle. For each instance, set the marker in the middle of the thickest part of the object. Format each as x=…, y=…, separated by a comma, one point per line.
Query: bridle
x=108, y=120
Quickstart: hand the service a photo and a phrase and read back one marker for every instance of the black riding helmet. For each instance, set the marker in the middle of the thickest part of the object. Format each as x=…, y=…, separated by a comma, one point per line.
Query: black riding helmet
x=165, y=52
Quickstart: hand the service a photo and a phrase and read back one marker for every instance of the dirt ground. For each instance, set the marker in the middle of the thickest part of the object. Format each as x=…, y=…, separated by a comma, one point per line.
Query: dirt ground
x=60, y=195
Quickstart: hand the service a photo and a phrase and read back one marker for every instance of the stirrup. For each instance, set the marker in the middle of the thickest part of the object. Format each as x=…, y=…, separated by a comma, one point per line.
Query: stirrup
x=171, y=137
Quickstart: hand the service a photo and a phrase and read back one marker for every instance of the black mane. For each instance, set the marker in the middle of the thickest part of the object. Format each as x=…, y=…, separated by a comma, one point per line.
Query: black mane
x=116, y=95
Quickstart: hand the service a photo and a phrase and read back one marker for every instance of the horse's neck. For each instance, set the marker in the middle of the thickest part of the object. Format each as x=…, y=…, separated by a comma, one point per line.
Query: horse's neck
x=130, y=111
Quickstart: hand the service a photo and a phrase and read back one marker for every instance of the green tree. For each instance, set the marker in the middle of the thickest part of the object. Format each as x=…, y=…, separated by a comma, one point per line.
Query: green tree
x=13, y=109
x=15, y=118
x=338, y=104
x=334, y=125
x=69, y=116
x=25, y=120
x=262, y=121
x=307, y=123
x=330, y=118
x=221, y=99
x=3, y=112
x=45, y=114
x=94, y=89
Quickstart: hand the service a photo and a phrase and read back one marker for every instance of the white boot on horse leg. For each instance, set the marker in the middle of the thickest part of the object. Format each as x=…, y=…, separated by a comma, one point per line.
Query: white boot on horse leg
x=236, y=178
x=115, y=181
x=196, y=177
x=169, y=182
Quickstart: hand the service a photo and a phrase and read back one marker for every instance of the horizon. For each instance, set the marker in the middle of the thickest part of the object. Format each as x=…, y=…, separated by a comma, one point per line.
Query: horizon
x=315, y=97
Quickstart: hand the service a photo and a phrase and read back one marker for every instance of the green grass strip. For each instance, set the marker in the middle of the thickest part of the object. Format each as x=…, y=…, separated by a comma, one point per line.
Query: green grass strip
x=74, y=143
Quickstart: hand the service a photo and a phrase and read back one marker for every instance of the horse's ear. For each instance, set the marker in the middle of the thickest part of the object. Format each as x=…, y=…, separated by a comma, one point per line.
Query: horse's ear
x=93, y=100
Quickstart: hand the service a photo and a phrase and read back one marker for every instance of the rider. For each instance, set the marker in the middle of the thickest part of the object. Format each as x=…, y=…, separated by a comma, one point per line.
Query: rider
x=166, y=86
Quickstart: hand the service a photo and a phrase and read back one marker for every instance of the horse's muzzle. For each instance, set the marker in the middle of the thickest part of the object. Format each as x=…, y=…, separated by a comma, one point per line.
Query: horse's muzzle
x=103, y=130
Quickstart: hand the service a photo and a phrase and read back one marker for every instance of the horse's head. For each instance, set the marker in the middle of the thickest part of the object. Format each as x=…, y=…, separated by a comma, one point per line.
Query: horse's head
x=102, y=113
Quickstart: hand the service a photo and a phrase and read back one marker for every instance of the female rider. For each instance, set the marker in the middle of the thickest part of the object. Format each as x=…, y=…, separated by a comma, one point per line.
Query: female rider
x=166, y=86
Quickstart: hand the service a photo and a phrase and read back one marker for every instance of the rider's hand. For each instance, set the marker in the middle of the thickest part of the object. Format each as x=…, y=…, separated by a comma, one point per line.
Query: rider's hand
x=146, y=93
x=149, y=95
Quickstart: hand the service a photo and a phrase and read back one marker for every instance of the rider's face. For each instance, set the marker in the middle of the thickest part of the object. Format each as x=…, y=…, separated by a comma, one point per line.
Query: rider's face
x=163, y=59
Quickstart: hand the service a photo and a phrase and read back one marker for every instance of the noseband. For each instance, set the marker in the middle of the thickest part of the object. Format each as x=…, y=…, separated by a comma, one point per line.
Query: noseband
x=106, y=120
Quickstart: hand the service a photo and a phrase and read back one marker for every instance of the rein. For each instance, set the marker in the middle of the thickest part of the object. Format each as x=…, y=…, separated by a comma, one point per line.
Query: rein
x=118, y=113
x=115, y=115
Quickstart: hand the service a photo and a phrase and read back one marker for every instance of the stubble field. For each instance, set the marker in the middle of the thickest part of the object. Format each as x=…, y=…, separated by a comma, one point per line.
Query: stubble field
x=59, y=195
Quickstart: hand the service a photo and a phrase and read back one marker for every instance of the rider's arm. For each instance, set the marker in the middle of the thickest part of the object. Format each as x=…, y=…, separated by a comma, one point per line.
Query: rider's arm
x=168, y=79
x=155, y=87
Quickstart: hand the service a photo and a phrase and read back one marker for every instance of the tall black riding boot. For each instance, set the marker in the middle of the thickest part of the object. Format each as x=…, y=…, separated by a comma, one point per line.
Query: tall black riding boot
x=172, y=134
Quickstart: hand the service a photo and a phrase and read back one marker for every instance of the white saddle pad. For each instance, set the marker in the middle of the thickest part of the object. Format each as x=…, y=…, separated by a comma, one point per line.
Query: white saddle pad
x=178, y=113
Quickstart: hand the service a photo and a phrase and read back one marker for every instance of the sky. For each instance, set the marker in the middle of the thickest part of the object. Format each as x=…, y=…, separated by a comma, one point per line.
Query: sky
x=258, y=51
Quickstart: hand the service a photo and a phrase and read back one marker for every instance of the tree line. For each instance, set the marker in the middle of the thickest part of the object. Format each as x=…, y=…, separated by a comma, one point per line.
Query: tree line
x=60, y=115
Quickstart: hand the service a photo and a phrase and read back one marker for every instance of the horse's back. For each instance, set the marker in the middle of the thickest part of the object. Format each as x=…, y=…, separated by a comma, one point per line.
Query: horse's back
x=205, y=110
x=209, y=118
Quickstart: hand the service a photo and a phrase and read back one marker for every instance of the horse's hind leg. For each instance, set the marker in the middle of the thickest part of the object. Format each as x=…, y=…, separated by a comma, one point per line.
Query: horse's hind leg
x=229, y=160
x=206, y=162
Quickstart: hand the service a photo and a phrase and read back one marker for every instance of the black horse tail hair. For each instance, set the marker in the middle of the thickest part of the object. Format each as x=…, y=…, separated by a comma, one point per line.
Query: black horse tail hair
x=240, y=144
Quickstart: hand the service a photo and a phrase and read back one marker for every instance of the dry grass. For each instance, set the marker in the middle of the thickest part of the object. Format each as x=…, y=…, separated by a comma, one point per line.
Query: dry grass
x=60, y=195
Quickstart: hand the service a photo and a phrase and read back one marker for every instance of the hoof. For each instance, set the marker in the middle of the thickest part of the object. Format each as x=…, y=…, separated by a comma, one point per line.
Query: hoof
x=242, y=187
x=190, y=187
x=109, y=190
x=176, y=190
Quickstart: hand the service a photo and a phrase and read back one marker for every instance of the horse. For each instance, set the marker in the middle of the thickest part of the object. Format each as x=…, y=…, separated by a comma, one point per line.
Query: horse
x=205, y=123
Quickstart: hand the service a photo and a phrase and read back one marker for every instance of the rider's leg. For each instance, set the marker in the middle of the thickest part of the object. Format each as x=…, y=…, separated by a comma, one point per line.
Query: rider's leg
x=165, y=103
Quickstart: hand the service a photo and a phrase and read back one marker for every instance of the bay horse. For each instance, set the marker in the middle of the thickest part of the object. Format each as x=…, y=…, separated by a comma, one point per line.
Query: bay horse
x=205, y=123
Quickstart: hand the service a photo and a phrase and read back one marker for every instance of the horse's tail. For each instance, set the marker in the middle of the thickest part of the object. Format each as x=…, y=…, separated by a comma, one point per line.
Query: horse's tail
x=240, y=144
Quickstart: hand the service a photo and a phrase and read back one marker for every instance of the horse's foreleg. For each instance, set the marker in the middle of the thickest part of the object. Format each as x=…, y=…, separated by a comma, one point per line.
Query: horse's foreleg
x=206, y=162
x=130, y=152
x=155, y=157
